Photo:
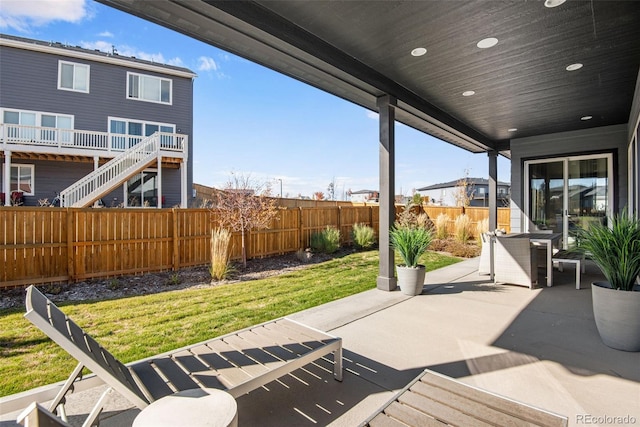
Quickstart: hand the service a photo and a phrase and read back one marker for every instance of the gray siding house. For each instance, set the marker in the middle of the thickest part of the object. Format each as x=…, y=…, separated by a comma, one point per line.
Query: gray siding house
x=90, y=126
x=445, y=194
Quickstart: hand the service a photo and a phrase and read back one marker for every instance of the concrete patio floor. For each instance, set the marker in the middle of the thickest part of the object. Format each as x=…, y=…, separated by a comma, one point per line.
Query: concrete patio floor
x=538, y=346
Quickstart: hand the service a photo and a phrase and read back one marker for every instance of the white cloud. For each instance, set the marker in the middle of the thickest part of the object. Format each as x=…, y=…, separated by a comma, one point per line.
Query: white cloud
x=106, y=34
x=22, y=15
x=206, y=63
x=372, y=115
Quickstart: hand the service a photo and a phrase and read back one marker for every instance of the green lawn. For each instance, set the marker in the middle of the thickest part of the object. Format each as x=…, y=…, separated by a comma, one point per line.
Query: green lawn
x=137, y=327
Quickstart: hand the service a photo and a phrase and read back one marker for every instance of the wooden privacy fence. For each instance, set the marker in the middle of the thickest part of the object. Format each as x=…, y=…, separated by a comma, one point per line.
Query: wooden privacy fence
x=47, y=245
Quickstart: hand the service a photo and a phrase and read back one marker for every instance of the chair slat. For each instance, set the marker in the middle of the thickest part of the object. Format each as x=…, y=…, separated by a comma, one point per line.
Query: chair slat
x=152, y=380
x=176, y=376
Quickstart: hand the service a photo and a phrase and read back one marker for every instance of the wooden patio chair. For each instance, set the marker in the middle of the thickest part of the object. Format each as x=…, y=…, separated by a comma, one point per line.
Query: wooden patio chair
x=237, y=363
x=433, y=399
x=515, y=261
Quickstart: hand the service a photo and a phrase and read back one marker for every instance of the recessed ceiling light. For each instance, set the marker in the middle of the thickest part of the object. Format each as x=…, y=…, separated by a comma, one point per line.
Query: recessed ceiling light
x=553, y=3
x=574, y=67
x=468, y=93
x=489, y=42
x=512, y=129
x=419, y=51
x=585, y=118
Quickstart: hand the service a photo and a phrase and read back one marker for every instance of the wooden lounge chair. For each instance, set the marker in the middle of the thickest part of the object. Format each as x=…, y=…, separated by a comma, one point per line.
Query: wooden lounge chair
x=433, y=399
x=237, y=363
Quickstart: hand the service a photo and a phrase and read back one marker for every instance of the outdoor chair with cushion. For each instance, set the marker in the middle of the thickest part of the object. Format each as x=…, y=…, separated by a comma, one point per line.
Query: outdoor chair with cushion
x=236, y=363
x=433, y=399
x=485, y=254
x=515, y=261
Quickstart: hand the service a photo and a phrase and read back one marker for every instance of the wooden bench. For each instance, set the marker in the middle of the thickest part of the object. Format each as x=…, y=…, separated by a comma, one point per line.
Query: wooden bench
x=433, y=399
x=237, y=363
x=571, y=257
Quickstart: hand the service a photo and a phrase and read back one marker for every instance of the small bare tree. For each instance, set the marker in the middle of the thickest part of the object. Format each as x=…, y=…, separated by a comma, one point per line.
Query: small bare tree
x=318, y=195
x=464, y=191
x=245, y=205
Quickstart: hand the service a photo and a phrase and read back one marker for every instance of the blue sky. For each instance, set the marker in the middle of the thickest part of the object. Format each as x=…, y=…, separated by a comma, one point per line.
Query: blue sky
x=250, y=120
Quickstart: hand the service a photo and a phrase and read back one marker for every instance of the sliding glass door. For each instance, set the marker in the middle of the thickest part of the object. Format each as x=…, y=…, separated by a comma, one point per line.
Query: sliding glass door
x=568, y=193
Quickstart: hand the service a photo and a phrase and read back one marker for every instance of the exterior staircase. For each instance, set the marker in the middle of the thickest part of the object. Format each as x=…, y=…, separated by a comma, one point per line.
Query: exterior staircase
x=112, y=174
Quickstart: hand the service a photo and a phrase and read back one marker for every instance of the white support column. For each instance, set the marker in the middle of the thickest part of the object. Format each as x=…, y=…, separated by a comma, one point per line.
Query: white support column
x=387, y=114
x=6, y=181
x=159, y=176
x=125, y=199
x=183, y=184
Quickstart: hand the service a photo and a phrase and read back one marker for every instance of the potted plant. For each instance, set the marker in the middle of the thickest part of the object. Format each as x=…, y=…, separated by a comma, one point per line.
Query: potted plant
x=616, y=302
x=410, y=241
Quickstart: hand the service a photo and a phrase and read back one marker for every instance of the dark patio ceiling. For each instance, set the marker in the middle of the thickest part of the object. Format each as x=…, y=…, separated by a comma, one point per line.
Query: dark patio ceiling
x=359, y=50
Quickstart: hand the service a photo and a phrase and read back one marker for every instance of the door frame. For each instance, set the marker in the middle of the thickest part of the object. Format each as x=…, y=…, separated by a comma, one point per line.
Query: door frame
x=565, y=196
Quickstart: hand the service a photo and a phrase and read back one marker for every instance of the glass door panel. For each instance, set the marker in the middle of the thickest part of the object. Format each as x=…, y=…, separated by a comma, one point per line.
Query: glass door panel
x=546, y=195
x=588, y=194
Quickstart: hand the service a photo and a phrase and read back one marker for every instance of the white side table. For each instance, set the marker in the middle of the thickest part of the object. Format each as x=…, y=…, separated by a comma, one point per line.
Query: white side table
x=195, y=408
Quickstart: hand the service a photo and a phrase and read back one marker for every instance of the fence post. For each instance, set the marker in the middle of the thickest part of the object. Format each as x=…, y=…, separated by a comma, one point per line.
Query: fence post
x=340, y=225
x=300, y=234
x=174, y=232
x=71, y=259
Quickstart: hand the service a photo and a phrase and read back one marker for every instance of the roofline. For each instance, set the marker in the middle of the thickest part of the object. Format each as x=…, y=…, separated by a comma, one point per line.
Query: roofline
x=453, y=184
x=37, y=46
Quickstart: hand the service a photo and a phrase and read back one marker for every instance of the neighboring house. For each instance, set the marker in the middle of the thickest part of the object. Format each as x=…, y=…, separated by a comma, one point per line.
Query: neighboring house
x=362, y=196
x=448, y=193
x=93, y=125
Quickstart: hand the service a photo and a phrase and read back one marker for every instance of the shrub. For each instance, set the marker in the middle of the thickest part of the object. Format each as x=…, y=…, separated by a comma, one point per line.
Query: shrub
x=220, y=254
x=462, y=228
x=462, y=250
x=326, y=241
x=363, y=236
x=441, y=226
x=481, y=227
x=423, y=220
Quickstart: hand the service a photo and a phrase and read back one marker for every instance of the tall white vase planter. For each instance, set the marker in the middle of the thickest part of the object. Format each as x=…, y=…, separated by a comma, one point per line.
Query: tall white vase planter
x=617, y=316
x=411, y=279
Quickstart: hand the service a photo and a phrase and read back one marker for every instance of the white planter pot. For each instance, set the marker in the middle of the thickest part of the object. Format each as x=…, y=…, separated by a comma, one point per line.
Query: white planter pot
x=411, y=279
x=617, y=315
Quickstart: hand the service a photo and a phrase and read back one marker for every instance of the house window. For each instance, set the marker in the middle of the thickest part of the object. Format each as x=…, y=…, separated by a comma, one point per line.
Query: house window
x=148, y=88
x=142, y=189
x=35, y=126
x=22, y=179
x=126, y=133
x=72, y=76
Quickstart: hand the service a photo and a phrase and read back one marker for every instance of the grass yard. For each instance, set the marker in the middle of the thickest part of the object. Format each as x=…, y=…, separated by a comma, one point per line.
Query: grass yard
x=137, y=327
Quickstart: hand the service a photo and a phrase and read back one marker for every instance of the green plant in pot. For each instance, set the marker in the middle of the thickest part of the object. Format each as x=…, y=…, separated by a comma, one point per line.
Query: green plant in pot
x=410, y=242
x=616, y=302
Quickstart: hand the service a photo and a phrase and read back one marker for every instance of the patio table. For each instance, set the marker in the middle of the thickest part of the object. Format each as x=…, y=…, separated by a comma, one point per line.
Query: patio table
x=547, y=239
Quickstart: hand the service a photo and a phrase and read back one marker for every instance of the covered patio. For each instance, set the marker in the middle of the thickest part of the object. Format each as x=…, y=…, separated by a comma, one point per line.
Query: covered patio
x=537, y=346
x=551, y=85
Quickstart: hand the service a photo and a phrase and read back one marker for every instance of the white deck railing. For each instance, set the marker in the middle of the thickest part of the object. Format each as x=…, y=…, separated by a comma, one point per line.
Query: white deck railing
x=17, y=137
x=112, y=173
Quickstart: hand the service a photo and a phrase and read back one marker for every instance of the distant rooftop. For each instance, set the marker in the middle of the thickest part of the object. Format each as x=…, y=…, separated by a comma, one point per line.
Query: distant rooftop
x=95, y=54
x=471, y=181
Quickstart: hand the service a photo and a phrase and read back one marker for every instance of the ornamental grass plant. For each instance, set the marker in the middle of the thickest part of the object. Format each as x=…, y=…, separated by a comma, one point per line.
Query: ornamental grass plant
x=326, y=241
x=410, y=242
x=462, y=227
x=441, y=226
x=614, y=249
x=220, y=254
x=364, y=236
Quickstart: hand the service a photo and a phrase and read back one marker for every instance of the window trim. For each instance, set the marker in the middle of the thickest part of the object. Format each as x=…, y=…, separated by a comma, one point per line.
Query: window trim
x=139, y=98
x=33, y=177
x=74, y=64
